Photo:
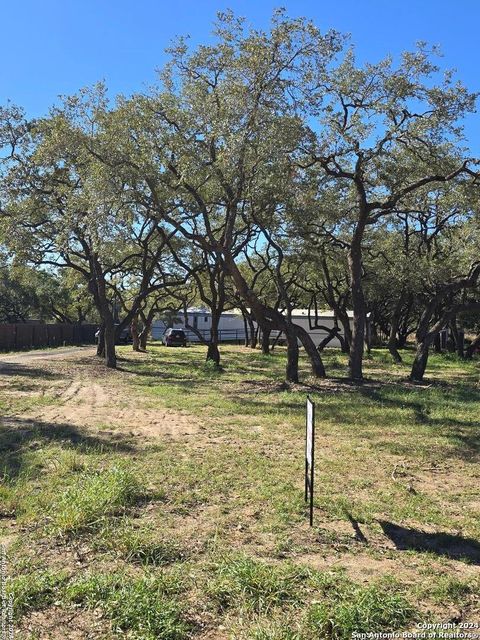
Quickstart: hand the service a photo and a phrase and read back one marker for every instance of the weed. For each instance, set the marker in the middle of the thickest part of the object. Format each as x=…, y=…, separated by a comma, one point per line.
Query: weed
x=249, y=584
x=345, y=608
x=34, y=591
x=93, y=497
x=139, y=546
x=147, y=607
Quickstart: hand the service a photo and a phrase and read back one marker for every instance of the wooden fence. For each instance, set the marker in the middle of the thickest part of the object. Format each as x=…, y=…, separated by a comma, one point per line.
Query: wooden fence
x=16, y=337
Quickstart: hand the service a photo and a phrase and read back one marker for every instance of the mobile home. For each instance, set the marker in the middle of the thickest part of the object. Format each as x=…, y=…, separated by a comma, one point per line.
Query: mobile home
x=232, y=328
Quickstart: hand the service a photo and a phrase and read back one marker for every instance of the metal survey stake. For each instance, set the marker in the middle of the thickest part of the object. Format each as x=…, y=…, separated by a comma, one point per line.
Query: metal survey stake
x=309, y=454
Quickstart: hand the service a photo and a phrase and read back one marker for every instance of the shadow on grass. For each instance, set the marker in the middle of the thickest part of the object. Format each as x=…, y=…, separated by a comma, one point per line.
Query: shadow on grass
x=19, y=436
x=441, y=544
x=359, y=535
x=464, y=434
x=17, y=369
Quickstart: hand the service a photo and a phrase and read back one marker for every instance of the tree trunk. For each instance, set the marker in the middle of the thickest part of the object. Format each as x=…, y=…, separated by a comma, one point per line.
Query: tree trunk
x=392, y=340
x=318, y=370
x=266, y=331
x=346, y=339
x=274, y=342
x=344, y=346
x=368, y=335
x=143, y=337
x=213, y=353
x=292, y=357
x=451, y=340
x=332, y=333
x=97, y=287
x=402, y=339
x=264, y=315
x=470, y=350
x=101, y=341
x=460, y=344
x=110, y=355
x=135, y=336
x=420, y=361
x=253, y=332
x=245, y=328
x=147, y=320
x=359, y=310
x=255, y=342
x=458, y=338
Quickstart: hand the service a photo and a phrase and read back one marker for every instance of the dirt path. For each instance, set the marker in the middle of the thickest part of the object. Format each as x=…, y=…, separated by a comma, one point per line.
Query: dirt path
x=68, y=388
x=47, y=354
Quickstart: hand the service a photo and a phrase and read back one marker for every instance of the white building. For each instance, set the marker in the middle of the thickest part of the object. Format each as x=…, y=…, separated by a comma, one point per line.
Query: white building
x=325, y=318
x=232, y=328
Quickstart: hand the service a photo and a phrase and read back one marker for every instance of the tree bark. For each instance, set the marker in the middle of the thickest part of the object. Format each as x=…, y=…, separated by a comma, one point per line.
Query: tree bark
x=101, y=341
x=147, y=320
x=97, y=287
x=143, y=337
x=458, y=338
x=420, y=361
x=346, y=339
x=425, y=337
x=402, y=340
x=253, y=333
x=135, y=335
x=213, y=352
x=470, y=350
x=332, y=333
x=292, y=357
x=318, y=370
x=110, y=355
x=359, y=310
x=392, y=340
x=266, y=331
x=245, y=328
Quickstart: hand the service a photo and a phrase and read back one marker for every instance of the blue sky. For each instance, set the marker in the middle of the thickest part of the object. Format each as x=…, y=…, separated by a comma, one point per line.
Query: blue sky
x=52, y=47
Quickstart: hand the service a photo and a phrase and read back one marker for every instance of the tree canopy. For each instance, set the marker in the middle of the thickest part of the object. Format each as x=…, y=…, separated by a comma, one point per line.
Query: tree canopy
x=265, y=170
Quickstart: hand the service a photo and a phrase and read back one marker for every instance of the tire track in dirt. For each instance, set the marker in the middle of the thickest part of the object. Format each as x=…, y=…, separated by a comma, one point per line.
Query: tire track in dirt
x=89, y=397
x=89, y=404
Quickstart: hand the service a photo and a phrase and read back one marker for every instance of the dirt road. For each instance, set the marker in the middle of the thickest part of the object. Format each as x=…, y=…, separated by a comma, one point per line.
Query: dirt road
x=47, y=354
x=70, y=386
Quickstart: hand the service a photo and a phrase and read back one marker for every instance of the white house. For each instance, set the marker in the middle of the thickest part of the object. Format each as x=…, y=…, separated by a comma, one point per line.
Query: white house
x=232, y=328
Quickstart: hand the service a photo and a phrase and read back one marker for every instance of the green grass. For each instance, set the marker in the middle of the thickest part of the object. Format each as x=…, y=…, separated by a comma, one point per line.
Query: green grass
x=348, y=608
x=338, y=607
x=147, y=608
x=144, y=546
x=34, y=591
x=182, y=535
x=93, y=497
x=244, y=583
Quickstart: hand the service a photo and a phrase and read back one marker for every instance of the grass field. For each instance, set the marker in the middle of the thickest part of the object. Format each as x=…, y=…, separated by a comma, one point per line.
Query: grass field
x=165, y=500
